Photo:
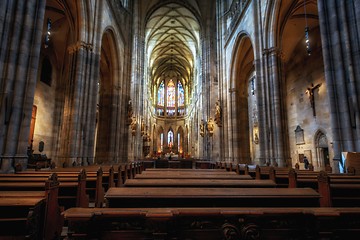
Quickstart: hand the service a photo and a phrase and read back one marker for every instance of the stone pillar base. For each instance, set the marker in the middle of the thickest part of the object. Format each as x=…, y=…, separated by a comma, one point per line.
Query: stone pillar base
x=7, y=165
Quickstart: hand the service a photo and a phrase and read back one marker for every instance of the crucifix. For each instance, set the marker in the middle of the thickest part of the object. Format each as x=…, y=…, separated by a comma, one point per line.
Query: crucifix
x=310, y=90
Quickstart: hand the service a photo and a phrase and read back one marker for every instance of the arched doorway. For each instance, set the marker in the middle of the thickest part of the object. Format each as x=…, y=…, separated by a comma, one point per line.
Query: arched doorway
x=322, y=150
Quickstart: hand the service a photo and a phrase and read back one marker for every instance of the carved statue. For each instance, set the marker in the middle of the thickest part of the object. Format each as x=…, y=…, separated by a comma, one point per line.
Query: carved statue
x=142, y=127
x=310, y=90
x=202, y=128
x=210, y=127
x=133, y=125
x=218, y=113
x=130, y=110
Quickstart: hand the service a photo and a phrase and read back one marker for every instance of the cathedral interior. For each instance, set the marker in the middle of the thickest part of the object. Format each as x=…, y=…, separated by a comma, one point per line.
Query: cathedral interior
x=242, y=81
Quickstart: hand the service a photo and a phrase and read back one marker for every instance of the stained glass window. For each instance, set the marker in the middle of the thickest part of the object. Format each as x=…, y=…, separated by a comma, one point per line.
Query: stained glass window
x=161, y=141
x=181, y=98
x=170, y=94
x=170, y=138
x=170, y=112
x=161, y=92
x=179, y=142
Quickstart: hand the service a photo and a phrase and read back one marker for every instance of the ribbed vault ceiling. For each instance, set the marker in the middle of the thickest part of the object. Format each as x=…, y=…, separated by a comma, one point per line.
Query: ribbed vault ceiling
x=172, y=42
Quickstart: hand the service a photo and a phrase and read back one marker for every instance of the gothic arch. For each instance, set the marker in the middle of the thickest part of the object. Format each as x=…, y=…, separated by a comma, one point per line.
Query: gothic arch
x=160, y=141
x=180, y=140
x=59, y=20
x=299, y=69
x=242, y=68
x=321, y=149
x=105, y=149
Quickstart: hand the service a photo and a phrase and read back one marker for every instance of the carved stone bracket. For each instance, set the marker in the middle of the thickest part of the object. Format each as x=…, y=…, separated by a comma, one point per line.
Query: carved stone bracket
x=80, y=45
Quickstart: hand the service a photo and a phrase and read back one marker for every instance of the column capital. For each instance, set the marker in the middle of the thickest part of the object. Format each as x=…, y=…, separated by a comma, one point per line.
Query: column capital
x=273, y=51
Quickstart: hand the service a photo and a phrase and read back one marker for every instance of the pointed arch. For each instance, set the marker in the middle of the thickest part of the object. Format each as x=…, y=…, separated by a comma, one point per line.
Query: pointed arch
x=180, y=137
x=106, y=109
x=322, y=152
x=242, y=67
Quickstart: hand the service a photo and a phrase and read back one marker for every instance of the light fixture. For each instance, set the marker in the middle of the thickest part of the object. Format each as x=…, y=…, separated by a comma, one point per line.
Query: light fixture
x=48, y=33
x=307, y=39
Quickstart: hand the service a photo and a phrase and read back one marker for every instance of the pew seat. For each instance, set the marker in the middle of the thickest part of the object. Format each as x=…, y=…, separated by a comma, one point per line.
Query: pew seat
x=211, y=197
x=47, y=225
x=19, y=217
x=193, y=176
x=212, y=223
x=226, y=183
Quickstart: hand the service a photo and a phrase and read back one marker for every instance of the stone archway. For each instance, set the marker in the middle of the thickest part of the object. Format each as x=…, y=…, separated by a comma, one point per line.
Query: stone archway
x=243, y=68
x=104, y=146
x=301, y=75
x=322, y=150
x=52, y=83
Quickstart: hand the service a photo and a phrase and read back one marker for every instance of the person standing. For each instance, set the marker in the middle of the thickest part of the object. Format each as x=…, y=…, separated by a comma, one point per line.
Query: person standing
x=306, y=163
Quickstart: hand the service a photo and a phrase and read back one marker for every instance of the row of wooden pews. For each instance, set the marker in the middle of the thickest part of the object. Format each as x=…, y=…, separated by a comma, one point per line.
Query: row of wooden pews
x=31, y=213
x=167, y=205
x=213, y=223
x=31, y=202
x=339, y=190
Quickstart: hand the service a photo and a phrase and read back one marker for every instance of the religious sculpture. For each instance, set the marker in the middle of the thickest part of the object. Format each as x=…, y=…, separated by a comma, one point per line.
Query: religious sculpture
x=210, y=127
x=202, y=128
x=133, y=126
x=142, y=127
x=130, y=111
x=218, y=113
x=310, y=90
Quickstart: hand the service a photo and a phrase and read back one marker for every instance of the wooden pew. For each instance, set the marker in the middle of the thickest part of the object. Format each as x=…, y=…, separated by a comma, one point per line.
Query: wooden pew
x=213, y=223
x=48, y=224
x=337, y=191
x=175, y=172
x=72, y=191
x=211, y=197
x=280, y=175
x=19, y=218
x=204, y=165
x=95, y=186
x=242, y=169
x=193, y=176
x=310, y=178
x=207, y=183
x=245, y=169
x=197, y=170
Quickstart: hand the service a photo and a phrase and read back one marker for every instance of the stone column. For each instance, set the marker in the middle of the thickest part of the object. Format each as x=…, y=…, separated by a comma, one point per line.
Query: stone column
x=233, y=132
x=261, y=80
x=137, y=87
x=336, y=18
x=79, y=85
x=19, y=58
x=275, y=115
